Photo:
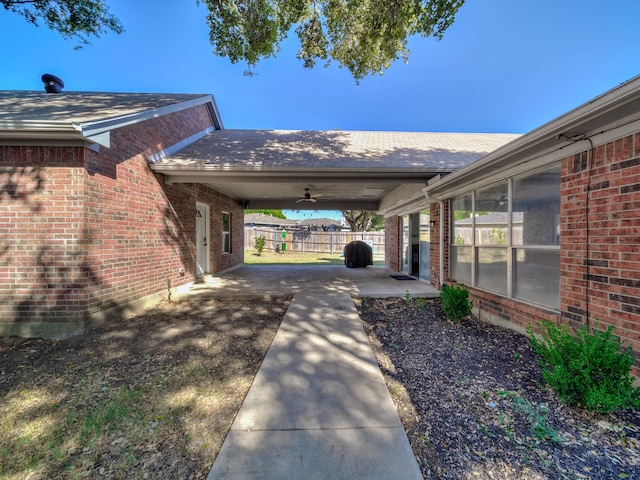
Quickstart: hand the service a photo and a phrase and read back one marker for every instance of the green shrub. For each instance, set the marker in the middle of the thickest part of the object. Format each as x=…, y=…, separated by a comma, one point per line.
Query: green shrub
x=589, y=370
x=260, y=243
x=455, y=302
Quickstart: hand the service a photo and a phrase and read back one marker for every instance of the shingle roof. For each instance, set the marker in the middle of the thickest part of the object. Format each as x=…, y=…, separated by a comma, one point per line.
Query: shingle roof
x=319, y=222
x=264, y=219
x=281, y=150
x=80, y=107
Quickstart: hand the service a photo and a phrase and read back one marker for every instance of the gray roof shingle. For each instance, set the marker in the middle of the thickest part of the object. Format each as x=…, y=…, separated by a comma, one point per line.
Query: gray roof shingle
x=80, y=107
x=280, y=150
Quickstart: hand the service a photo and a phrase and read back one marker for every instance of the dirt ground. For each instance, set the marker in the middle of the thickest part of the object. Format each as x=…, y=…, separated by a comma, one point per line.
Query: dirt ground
x=154, y=396
x=149, y=397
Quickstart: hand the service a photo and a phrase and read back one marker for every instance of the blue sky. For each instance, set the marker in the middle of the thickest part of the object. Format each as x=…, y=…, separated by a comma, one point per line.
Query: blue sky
x=504, y=66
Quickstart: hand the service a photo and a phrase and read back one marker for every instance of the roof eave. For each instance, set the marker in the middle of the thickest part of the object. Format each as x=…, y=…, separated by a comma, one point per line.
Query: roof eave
x=96, y=132
x=335, y=175
x=97, y=129
x=38, y=133
x=581, y=122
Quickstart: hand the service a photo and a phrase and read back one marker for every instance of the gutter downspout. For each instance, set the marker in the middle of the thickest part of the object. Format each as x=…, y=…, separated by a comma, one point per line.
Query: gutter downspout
x=441, y=239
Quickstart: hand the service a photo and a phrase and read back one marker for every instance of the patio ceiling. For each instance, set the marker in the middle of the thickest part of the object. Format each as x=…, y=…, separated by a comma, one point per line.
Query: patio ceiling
x=346, y=170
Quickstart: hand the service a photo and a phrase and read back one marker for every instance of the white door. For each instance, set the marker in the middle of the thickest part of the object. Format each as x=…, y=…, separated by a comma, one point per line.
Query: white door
x=202, y=239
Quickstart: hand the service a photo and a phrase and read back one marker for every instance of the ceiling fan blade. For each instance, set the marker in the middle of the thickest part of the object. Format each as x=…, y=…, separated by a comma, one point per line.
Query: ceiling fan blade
x=301, y=200
x=312, y=200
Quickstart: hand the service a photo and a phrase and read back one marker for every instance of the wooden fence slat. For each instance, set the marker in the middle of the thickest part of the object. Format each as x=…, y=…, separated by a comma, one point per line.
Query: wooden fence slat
x=305, y=241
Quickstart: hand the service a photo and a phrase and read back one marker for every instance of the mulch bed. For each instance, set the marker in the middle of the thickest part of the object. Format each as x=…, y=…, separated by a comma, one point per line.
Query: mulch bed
x=473, y=403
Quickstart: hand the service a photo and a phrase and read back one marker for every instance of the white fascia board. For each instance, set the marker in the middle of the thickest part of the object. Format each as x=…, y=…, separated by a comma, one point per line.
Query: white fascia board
x=37, y=133
x=103, y=138
x=98, y=132
x=416, y=205
x=176, y=147
x=93, y=129
x=440, y=191
x=545, y=142
x=404, y=199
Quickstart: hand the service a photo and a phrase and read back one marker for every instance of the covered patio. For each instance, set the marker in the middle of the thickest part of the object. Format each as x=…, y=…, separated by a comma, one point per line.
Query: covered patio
x=285, y=280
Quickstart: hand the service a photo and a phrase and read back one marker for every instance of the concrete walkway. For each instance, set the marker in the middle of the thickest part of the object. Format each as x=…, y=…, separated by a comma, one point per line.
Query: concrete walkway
x=318, y=407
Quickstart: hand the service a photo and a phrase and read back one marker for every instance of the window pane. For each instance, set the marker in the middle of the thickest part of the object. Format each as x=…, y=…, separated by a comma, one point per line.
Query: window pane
x=461, y=264
x=462, y=221
x=536, y=276
x=492, y=215
x=425, y=242
x=226, y=243
x=406, y=244
x=424, y=226
x=536, y=208
x=492, y=269
x=226, y=232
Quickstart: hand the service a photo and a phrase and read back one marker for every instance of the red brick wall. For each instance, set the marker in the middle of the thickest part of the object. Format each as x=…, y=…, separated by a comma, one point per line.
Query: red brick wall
x=86, y=231
x=392, y=243
x=510, y=313
x=434, y=248
x=221, y=203
x=42, y=253
x=600, y=246
x=141, y=232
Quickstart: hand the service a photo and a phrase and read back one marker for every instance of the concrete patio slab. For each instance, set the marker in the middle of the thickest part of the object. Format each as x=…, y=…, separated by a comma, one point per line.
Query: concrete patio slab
x=252, y=280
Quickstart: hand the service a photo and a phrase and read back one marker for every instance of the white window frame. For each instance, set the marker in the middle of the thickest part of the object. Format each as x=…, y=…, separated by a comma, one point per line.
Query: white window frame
x=511, y=248
x=226, y=234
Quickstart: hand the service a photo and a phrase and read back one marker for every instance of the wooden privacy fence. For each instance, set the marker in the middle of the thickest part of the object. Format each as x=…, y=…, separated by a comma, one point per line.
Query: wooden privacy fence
x=305, y=241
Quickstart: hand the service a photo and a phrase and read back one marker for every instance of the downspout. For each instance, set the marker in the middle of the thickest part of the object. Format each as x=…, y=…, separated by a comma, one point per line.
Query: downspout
x=441, y=274
x=441, y=239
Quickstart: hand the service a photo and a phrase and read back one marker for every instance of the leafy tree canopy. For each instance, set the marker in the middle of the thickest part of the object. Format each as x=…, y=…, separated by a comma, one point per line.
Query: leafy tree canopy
x=273, y=213
x=73, y=19
x=363, y=220
x=365, y=36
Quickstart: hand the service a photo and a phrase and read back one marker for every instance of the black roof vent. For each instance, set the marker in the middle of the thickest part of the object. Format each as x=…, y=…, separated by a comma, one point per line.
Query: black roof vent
x=52, y=84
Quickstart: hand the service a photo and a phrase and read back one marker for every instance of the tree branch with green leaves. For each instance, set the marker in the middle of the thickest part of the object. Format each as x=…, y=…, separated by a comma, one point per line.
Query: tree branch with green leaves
x=364, y=36
x=363, y=220
x=73, y=19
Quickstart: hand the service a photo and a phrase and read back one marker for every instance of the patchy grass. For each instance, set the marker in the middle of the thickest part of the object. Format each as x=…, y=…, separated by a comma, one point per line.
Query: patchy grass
x=150, y=397
x=251, y=257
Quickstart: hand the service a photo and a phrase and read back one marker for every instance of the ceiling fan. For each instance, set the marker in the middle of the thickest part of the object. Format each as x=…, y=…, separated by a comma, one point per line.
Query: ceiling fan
x=307, y=197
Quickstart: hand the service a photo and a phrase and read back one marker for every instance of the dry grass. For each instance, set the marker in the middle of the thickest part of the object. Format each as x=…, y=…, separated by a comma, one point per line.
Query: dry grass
x=251, y=257
x=150, y=397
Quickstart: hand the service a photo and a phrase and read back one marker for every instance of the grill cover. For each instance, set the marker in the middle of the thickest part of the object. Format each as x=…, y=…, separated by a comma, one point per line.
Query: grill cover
x=358, y=254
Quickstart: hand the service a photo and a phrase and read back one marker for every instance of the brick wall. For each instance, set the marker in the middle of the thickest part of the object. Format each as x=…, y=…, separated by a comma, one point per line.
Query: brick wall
x=85, y=233
x=600, y=246
x=42, y=253
x=219, y=203
x=392, y=243
x=434, y=248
